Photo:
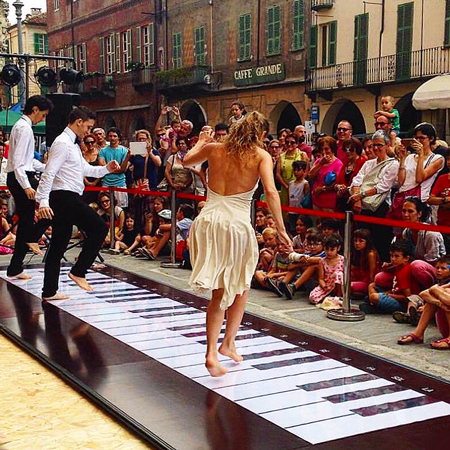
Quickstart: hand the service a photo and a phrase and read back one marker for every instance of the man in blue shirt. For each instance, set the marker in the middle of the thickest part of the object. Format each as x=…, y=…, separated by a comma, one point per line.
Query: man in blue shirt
x=117, y=152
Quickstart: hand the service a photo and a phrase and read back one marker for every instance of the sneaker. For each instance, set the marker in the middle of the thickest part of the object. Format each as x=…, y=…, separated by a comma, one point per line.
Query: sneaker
x=273, y=286
x=401, y=317
x=287, y=289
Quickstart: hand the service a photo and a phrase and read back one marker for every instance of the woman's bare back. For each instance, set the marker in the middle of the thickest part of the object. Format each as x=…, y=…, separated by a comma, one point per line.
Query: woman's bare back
x=228, y=175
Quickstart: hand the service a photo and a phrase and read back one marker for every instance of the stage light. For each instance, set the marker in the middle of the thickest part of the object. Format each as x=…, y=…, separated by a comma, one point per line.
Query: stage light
x=45, y=76
x=10, y=75
x=70, y=76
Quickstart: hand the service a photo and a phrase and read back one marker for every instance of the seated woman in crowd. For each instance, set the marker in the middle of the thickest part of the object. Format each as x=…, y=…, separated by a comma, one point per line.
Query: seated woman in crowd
x=159, y=244
x=364, y=262
x=437, y=302
x=105, y=213
x=371, y=188
x=324, y=174
x=152, y=220
x=417, y=171
x=302, y=225
x=354, y=162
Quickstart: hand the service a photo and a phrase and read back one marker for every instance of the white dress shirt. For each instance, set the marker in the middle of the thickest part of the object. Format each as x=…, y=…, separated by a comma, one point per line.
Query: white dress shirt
x=387, y=176
x=66, y=169
x=21, y=152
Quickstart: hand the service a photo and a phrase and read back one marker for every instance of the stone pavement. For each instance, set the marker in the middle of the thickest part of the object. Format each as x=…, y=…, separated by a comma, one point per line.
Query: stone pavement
x=377, y=334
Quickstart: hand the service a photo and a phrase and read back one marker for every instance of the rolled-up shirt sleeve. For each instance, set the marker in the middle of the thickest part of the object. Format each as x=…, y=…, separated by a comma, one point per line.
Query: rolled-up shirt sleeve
x=94, y=171
x=359, y=177
x=57, y=157
x=38, y=166
x=388, y=178
x=20, y=156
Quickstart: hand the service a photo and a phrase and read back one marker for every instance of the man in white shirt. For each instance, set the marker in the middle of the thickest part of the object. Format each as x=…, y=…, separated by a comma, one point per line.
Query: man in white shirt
x=59, y=197
x=22, y=183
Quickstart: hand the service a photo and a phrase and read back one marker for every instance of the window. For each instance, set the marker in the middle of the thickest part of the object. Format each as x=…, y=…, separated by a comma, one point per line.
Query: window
x=200, y=46
x=177, y=51
x=274, y=31
x=148, y=45
x=328, y=47
x=299, y=25
x=404, y=40
x=40, y=44
x=126, y=50
x=447, y=23
x=81, y=57
x=60, y=63
x=56, y=5
x=110, y=54
x=245, y=37
x=313, y=47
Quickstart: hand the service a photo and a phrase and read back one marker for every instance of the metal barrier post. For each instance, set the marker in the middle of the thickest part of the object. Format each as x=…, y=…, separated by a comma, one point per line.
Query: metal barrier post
x=112, y=230
x=347, y=313
x=173, y=233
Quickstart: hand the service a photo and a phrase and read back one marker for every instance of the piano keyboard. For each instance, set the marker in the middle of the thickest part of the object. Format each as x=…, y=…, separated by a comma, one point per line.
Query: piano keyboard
x=312, y=396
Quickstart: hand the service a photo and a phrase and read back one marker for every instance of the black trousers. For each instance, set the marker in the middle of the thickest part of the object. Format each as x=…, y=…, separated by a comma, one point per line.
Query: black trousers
x=27, y=229
x=69, y=209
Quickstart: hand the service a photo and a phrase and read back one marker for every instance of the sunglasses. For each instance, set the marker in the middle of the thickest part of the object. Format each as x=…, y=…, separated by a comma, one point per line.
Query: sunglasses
x=274, y=146
x=89, y=142
x=381, y=124
x=349, y=149
x=343, y=130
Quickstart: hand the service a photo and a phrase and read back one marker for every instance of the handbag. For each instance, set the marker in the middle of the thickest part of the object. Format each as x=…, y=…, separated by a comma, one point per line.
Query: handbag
x=373, y=202
x=142, y=183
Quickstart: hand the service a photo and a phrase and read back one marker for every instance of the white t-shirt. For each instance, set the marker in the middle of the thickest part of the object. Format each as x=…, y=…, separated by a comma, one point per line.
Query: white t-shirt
x=410, y=180
x=296, y=193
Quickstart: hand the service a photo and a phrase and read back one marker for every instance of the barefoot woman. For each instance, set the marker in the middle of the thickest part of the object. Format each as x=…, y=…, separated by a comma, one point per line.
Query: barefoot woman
x=223, y=246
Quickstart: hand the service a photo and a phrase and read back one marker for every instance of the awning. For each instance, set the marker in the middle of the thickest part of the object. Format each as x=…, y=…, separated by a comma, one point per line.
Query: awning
x=434, y=94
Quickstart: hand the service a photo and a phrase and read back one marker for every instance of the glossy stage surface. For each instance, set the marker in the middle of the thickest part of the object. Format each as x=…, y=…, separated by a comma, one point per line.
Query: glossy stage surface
x=137, y=348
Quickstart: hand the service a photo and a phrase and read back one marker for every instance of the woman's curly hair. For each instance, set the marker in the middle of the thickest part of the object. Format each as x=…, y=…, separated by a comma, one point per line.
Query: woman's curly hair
x=246, y=136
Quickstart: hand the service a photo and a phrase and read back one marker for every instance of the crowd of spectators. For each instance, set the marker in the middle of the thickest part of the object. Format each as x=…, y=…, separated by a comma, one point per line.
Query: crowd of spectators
x=401, y=271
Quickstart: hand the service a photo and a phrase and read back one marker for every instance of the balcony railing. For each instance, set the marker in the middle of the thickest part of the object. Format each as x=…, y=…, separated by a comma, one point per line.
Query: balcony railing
x=317, y=5
x=97, y=84
x=400, y=67
x=196, y=77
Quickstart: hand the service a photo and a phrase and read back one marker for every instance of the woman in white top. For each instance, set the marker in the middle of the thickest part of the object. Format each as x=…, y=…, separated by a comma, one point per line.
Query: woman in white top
x=223, y=246
x=417, y=171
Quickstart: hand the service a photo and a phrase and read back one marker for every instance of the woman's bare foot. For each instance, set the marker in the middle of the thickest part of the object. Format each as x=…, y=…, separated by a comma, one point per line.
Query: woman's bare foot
x=57, y=296
x=214, y=367
x=34, y=247
x=21, y=276
x=81, y=282
x=231, y=353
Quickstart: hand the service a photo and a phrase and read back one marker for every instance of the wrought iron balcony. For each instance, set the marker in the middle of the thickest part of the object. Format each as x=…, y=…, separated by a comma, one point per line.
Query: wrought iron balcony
x=97, y=84
x=387, y=69
x=185, y=80
x=142, y=79
x=317, y=5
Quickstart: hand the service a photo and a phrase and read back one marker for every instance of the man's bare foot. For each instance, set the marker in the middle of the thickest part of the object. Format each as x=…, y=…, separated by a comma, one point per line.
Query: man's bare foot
x=57, y=296
x=214, y=367
x=34, y=247
x=231, y=353
x=81, y=282
x=21, y=276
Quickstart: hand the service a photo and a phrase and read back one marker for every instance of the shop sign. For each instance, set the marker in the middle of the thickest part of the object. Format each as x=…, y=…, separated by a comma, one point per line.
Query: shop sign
x=260, y=75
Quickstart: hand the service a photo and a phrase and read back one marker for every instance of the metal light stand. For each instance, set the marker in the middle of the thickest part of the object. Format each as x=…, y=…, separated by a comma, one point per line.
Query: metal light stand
x=173, y=233
x=347, y=313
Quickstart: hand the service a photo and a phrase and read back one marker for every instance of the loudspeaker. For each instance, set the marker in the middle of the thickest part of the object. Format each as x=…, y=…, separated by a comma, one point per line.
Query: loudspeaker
x=58, y=119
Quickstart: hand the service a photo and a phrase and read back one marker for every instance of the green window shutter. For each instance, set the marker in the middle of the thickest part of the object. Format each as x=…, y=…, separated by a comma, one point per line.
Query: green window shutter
x=45, y=44
x=274, y=30
x=102, y=55
x=313, y=47
x=176, y=52
x=404, y=40
x=299, y=25
x=332, y=43
x=447, y=23
x=138, y=45
x=244, y=37
x=37, y=49
x=361, y=37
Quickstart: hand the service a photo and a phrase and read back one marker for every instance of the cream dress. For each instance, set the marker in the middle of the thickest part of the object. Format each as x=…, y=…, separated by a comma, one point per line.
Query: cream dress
x=223, y=246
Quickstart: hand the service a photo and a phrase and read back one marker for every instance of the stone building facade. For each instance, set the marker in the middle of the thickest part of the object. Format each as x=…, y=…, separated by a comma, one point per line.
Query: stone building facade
x=200, y=55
